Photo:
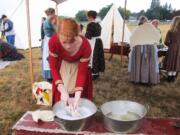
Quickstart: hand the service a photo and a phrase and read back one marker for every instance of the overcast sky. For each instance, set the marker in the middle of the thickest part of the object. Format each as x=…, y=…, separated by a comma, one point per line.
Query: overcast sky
x=71, y=7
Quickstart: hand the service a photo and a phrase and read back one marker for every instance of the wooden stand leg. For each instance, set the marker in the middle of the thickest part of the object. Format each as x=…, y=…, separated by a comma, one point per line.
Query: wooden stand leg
x=110, y=58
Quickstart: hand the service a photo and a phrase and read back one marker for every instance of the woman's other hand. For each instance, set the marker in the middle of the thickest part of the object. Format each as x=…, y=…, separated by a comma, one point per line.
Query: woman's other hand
x=64, y=93
x=76, y=99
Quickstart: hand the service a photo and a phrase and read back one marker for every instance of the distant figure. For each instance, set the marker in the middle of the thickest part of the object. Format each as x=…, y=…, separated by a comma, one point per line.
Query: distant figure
x=142, y=20
x=93, y=33
x=42, y=30
x=143, y=61
x=8, y=30
x=1, y=28
x=81, y=28
x=49, y=27
x=172, y=40
x=9, y=52
x=155, y=23
x=42, y=33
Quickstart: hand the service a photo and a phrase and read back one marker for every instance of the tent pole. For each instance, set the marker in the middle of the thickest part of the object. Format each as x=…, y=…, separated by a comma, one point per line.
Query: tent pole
x=123, y=32
x=57, y=25
x=111, y=40
x=56, y=8
x=29, y=41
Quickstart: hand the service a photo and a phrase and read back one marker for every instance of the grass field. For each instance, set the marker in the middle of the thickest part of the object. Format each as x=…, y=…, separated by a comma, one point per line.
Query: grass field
x=16, y=98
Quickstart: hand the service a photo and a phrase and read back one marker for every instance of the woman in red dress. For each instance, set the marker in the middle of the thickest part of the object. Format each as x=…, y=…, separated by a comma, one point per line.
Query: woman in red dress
x=69, y=56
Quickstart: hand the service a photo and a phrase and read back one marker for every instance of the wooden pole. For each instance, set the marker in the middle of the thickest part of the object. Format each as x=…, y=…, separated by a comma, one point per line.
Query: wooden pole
x=29, y=41
x=56, y=9
x=57, y=25
x=112, y=36
x=123, y=32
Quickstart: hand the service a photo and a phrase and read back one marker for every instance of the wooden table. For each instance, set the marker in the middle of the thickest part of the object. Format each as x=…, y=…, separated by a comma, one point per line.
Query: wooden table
x=116, y=49
x=151, y=126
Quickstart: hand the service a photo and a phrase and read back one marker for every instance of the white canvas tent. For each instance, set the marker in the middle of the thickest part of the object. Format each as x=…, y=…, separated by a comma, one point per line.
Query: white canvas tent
x=112, y=24
x=27, y=16
x=16, y=11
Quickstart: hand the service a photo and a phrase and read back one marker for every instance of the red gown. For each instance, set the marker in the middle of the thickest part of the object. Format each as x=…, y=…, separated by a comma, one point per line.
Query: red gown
x=57, y=54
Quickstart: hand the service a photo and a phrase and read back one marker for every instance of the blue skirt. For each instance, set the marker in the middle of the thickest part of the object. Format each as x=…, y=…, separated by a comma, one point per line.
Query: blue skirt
x=46, y=73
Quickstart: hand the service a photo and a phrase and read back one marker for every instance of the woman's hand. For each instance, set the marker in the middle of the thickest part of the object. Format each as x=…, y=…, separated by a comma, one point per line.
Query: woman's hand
x=76, y=99
x=64, y=93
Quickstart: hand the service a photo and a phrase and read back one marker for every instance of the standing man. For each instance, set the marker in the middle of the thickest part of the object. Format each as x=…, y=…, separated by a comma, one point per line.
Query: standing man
x=8, y=30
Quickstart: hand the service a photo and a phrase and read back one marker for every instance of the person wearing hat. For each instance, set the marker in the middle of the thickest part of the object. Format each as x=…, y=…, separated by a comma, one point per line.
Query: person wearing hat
x=8, y=30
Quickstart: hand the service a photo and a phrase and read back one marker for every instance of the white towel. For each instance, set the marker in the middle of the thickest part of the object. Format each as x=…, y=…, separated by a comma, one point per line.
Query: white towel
x=4, y=64
x=44, y=115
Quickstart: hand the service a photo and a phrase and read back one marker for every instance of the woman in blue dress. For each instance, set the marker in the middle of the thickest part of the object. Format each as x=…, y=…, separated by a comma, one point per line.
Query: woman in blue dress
x=49, y=30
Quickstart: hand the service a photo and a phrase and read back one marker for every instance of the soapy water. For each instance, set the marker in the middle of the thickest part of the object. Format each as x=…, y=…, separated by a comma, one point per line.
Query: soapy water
x=81, y=112
x=129, y=116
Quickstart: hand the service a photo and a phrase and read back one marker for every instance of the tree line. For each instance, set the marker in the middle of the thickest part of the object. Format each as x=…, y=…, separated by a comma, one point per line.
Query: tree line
x=155, y=11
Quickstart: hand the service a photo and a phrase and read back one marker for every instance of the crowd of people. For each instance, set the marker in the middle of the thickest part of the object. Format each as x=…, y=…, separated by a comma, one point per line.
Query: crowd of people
x=76, y=58
x=144, y=66
x=71, y=59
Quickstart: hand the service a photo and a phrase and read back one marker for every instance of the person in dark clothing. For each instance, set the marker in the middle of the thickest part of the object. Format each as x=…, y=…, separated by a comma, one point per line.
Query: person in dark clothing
x=172, y=58
x=42, y=31
x=93, y=33
x=81, y=27
x=8, y=52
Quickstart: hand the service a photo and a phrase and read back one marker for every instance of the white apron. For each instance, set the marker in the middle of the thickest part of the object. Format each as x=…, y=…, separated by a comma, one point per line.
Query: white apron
x=92, y=42
x=68, y=73
x=45, y=53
